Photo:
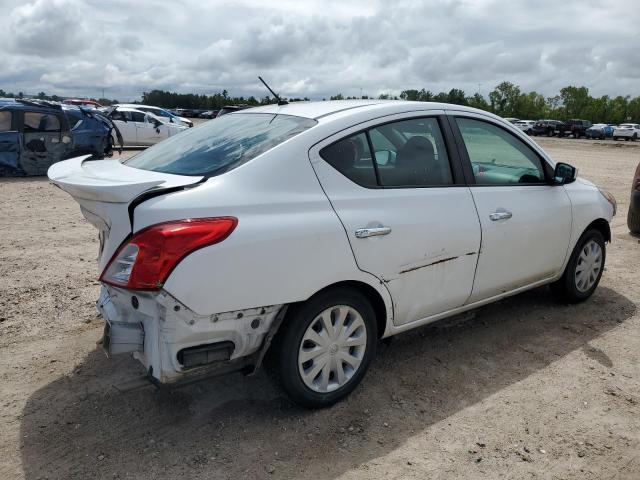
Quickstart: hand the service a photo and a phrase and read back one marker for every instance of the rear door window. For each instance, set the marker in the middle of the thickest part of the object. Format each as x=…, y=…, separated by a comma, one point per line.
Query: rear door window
x=407, y=153
x=137, y=116
x=351, y=156
x=41, y=122
x=6, y=118
x=216, y=147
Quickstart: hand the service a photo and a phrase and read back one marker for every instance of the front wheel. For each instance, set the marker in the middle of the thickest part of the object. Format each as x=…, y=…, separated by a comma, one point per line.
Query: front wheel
x=326, y=347
x=584, y=270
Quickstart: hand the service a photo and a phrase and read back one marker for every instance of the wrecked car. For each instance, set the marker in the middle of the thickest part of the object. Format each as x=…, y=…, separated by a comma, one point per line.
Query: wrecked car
x=309, y=231
x=139, y=128
x=36, y=134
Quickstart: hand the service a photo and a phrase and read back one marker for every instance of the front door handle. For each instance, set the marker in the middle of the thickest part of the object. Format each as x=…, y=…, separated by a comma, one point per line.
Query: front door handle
x=500, y=215
x=372, y=232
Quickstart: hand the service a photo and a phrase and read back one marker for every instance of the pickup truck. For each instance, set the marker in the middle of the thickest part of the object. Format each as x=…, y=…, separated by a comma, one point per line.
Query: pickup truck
x=575, y=128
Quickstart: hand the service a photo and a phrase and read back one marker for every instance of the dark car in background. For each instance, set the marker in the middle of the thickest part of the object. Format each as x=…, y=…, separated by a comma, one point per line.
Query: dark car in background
x=575, y=128
x=36, y=134
x=633, y=216
x=230, y=109
x=547, y=128
x=208, y=114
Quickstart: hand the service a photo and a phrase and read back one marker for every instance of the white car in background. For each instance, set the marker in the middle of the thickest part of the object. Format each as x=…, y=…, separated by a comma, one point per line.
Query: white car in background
x=163, y=113
x=525, y=125
x=627, y=131
x=140, y=128
x=316, y=228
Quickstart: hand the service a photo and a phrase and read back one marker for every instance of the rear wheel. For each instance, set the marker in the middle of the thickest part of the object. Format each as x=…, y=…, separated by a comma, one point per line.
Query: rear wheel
x=635, y=137
x=584, y=270
x=326, y=347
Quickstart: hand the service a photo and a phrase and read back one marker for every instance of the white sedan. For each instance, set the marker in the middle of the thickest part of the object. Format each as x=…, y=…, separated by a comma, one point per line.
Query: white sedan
x=165, y=115
x=526, y=126
x=140, y=128
x=627, y=131
x=315, y=229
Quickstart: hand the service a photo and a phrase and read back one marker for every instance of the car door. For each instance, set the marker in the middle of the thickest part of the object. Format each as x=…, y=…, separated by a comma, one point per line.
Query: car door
x=526, y=222
x=9, y=143
x=45, y=140
x=408, y=215
x=122, y=119
x=155, y=130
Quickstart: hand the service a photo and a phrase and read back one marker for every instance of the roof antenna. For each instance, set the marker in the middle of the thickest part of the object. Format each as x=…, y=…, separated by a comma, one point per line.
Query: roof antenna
x=280, y=101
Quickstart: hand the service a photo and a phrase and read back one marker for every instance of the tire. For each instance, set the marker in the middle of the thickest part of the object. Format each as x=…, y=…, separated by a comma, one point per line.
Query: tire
x=635, y=137
x=549, y=133
x=615, y=139
x=569, y=287
x=317, y=390
x=633, y=221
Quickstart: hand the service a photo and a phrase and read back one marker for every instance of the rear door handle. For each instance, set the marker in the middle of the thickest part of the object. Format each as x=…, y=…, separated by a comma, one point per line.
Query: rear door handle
x=500, y=215
x=372, y=232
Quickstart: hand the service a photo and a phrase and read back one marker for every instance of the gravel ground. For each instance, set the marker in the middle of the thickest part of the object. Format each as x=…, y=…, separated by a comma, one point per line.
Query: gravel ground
x=528, y=388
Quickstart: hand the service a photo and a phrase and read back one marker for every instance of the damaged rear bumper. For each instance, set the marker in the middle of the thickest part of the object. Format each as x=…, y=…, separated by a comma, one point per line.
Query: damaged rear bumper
x=177, y=345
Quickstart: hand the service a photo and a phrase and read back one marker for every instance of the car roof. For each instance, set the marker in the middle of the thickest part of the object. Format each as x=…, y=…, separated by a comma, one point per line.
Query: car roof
x=326, y=109
x=28, y=104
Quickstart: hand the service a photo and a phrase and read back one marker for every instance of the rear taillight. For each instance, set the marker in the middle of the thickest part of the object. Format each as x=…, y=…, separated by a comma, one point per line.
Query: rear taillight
x=146, y=259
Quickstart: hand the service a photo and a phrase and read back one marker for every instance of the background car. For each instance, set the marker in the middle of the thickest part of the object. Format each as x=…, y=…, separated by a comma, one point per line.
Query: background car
x=35, y=134
x=600, y=131
x=140, y=128
x=633, y=216
x=209, y=114
x=306, y=226
x=575, y=127
x=163, y=113
x=82, y=102
x=547, y=128
x=627, y=131
x=526, y=126
x=230, y=109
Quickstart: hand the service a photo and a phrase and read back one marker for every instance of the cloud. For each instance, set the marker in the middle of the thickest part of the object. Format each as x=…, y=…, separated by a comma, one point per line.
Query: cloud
x=48, y=28
x=318, y=48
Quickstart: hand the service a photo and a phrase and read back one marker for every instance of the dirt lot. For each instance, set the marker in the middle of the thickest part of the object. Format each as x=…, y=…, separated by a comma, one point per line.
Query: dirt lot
x=528, y=388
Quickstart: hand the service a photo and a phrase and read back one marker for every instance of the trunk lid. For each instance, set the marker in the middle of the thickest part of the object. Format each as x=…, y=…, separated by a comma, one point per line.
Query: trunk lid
x=105, y=189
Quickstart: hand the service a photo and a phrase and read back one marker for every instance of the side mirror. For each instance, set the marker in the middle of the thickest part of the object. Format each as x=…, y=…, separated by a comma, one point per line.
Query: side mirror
x=564, y=173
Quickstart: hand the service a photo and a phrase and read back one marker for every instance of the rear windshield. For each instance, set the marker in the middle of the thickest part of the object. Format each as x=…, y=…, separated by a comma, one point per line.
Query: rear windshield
x=220, y=145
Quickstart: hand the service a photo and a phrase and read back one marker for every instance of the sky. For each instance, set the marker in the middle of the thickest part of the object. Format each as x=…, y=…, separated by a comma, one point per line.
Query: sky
x=317, y=48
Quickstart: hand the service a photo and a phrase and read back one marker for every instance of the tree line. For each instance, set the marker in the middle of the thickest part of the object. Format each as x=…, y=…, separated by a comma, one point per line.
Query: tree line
x=506, y=100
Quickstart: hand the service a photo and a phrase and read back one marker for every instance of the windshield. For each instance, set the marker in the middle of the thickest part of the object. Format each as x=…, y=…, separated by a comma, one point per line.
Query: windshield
x=216, y=147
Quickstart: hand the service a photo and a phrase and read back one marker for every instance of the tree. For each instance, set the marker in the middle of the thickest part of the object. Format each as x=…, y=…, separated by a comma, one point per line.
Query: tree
x=504, y=99
x=478, y=101
x=575, y=101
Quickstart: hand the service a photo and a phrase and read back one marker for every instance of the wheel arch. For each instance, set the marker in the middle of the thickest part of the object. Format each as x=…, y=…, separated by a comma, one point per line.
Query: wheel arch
x=602, y=226
x=376, y=299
